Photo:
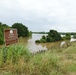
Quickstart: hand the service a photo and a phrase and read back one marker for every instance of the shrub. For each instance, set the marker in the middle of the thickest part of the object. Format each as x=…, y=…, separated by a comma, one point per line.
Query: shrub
x=43, y=40
x=49, y=39
x=43, y=37
x=68, y=36
x=37, y=41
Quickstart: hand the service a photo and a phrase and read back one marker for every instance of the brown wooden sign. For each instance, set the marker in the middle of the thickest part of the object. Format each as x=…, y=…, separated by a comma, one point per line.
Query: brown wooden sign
x=10, y=36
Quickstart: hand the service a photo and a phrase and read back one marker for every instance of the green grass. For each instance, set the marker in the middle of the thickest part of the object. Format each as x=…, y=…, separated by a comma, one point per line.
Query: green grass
x=17, y=60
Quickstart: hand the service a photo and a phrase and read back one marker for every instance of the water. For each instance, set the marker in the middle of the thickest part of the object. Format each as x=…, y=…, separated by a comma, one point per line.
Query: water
x=34, y=47
x=37, y=47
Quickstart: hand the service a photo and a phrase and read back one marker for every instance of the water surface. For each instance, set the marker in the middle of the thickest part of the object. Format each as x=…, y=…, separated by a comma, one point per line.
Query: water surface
x=36, y=47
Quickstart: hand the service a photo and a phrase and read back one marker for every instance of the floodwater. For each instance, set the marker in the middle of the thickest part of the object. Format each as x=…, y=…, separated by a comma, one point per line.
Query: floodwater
x=36, y=47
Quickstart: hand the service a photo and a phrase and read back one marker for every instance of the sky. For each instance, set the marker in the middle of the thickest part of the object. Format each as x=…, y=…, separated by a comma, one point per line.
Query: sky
x=40, y=15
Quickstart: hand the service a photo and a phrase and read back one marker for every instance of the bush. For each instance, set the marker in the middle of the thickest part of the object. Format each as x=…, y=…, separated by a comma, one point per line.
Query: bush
x=68, y=36
x=43, y=40
x=49, y=39
x=43, y=37
x=37, y=41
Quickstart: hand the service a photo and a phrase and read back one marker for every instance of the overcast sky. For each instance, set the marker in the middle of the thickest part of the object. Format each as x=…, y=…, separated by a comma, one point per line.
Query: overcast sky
x=40, y=15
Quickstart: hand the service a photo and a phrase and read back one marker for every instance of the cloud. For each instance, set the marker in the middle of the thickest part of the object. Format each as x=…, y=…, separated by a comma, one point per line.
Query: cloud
x=40, y=15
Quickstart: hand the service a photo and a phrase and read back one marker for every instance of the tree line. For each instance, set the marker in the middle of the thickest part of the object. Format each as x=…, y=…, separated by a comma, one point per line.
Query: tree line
x=53, y=36
x=21, y=29
x=71, y=33
x=61, y=33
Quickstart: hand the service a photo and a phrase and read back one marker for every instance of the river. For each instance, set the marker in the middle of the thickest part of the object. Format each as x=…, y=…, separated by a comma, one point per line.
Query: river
x=36, y=47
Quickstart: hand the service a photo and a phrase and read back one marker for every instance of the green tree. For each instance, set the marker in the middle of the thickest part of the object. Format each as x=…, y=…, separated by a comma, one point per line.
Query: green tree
x=1, y=34
x=43, y=37
x=68, y=36
x=49, y=39
x=22, y=29
x=1, y=38
x=54, y=35
x=2, y=27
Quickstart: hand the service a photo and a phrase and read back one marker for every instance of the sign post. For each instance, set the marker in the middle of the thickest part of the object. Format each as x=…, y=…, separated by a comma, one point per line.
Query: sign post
x=10, y=36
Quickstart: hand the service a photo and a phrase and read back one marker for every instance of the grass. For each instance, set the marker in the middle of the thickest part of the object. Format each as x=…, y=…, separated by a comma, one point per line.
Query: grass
x=17, y=60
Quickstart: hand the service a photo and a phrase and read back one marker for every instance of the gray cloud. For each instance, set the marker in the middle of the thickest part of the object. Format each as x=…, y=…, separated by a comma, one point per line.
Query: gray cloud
x=40, y=15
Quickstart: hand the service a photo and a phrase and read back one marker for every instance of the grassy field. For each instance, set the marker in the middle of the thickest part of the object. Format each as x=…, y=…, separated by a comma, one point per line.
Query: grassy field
x=17, y=60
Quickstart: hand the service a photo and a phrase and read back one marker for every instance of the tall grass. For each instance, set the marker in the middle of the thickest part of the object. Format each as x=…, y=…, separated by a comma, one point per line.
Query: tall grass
x=13, y=54
x=17, y=60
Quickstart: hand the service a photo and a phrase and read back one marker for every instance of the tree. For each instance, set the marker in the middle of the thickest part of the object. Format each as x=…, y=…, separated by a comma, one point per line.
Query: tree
x=54, y=35
x=22, y=29
x=2, y=27
x=43, y=37
x=1, y=34
x=68, y=36
x=1, y=38
x=49, y=39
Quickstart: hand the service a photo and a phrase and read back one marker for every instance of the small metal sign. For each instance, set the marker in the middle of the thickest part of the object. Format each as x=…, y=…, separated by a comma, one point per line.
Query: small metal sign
x=10, y=36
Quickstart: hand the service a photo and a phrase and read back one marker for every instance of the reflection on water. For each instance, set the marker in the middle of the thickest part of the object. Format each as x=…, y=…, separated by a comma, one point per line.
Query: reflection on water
x=33, y=47
x=36, y=47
